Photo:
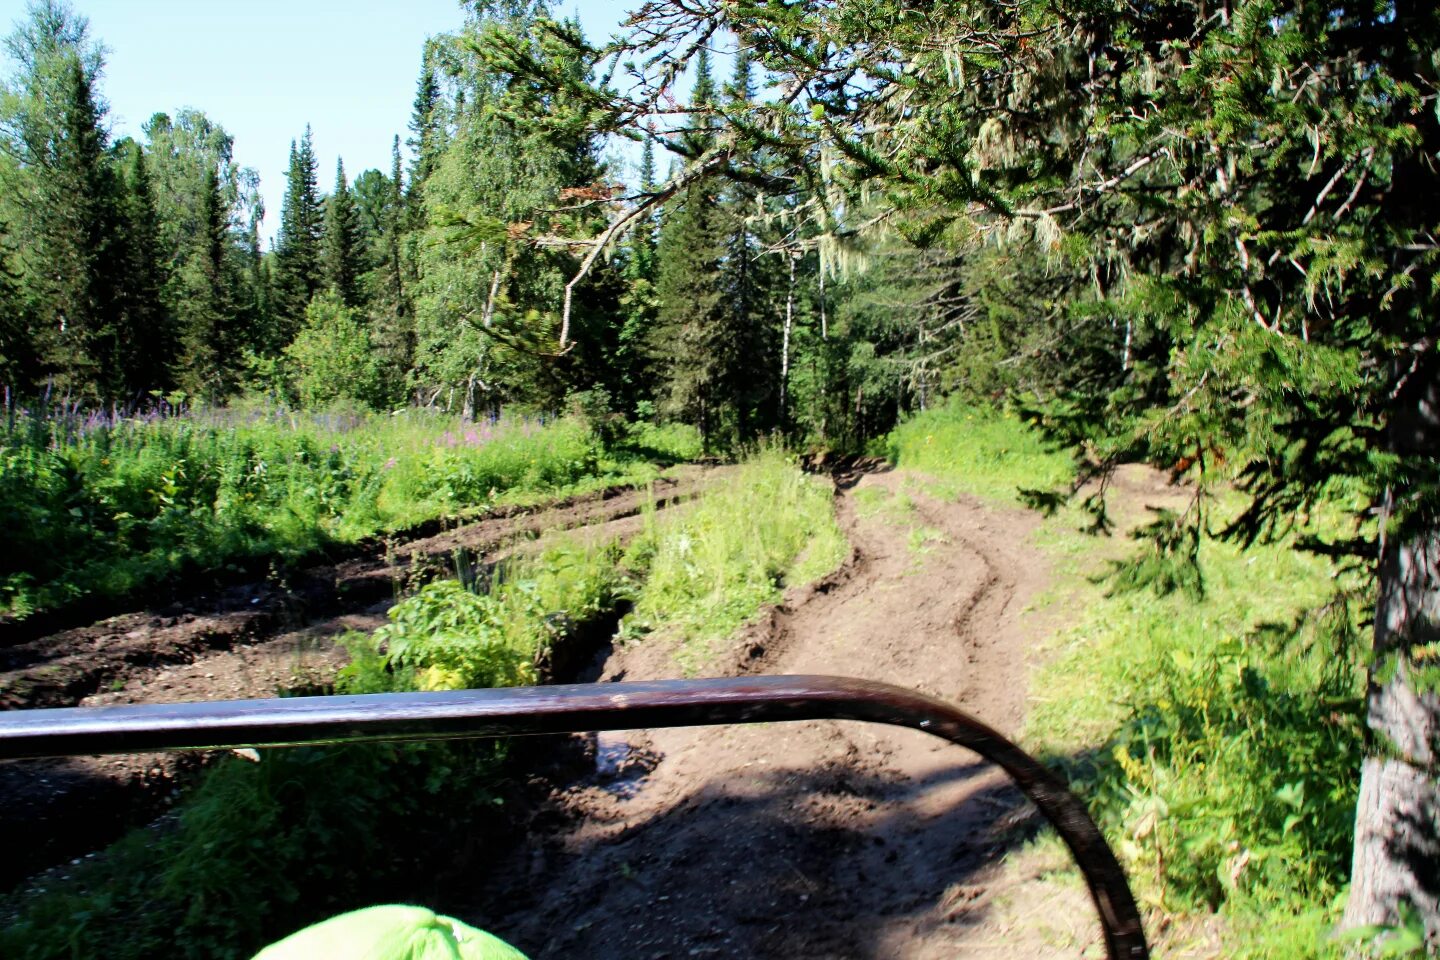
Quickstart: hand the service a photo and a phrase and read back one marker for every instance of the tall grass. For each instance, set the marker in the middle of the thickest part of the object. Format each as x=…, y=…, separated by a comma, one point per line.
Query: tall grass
x=1216, y=739
x=108, y=505
x=709, y=568
x=976, y=449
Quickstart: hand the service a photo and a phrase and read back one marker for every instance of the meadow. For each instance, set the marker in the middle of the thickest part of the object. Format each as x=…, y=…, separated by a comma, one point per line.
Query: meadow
x=99, y=506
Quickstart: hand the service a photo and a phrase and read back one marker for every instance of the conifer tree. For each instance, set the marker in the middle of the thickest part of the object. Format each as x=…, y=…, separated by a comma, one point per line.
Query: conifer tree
x=341, y=253
x=147, y=342
x=17, y=355
x=693, y=354
x=427, y=131
x=298, y=272
x=69, y=204
x=207, y=363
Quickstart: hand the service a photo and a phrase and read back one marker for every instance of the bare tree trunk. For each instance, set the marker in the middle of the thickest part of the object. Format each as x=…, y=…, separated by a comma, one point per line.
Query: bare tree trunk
x=1397, y=818
x=824, y=324
x=489, y=314
x=468, y=412
x=922, y=384
x=785, y=340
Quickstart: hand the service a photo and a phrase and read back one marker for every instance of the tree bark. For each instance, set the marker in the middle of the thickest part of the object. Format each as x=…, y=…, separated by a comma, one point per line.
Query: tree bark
x=1397, y=819
x=785, y=342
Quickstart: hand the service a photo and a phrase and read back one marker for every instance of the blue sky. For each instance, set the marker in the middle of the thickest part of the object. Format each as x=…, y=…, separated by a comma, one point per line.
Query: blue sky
x=265, y=68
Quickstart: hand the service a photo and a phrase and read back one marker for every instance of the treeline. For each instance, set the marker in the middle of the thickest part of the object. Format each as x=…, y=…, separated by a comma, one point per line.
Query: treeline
x=135, y=268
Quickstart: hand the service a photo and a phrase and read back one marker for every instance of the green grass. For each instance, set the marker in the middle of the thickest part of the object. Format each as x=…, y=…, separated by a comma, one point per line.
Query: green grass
x=710, y=567
x=976, y=450
x=1216, y=738
x=107, y=507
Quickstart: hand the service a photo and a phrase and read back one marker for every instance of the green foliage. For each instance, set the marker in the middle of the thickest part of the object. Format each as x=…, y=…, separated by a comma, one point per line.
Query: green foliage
x=450, y=637
x=333, y=359
x=261, y=849
x=968, y=444
x=341, y=253
x=299, y=242
x=107, y=508
x=709, y=568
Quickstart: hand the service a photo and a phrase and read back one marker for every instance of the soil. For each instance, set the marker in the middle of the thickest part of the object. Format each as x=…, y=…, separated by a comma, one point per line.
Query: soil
x=816, y=840
x=820, y=839
x=250, y=640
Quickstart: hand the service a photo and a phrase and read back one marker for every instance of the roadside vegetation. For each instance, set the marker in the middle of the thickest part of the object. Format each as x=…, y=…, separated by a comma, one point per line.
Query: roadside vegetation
x=710, y=567
x=103, y=506
x=1214, y=734
x=259, y=849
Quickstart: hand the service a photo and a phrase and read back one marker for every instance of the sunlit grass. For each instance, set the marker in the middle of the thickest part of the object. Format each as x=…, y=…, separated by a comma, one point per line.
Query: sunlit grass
x=1216, y=739
x=109, y=505
x=709, y=568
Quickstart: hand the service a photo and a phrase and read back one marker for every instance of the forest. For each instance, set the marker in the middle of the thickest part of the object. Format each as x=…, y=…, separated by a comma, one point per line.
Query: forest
x=1022, y=249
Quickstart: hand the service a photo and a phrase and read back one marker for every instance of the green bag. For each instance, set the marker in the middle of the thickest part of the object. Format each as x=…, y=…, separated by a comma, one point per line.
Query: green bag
x=390, y=933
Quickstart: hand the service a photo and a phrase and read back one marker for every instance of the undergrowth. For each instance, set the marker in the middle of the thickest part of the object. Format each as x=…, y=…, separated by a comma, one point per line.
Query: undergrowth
x=709, y=567
x=106, y=506
x=1216, y=736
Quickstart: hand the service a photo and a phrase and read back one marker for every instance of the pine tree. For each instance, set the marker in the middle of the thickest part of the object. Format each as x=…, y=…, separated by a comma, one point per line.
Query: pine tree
x=298, y=271
x=147, y=341
x=207, y=363
x=427, y=131
x=73, y=226
x=341, y=253
x=17, y=353
x=692, y=352
x=753, y=286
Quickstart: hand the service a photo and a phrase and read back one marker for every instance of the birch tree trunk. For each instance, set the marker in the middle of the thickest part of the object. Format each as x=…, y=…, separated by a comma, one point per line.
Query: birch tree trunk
x=785, y=340
x=1397, y=818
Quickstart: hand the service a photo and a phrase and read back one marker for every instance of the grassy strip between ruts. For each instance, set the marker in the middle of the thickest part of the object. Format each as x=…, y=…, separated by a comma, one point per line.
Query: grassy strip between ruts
x=260, y=849
x=105, y=506
x=1216, y=738
x=710, y=568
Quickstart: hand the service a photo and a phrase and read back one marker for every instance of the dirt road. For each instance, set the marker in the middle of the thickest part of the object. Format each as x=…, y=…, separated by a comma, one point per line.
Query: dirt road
x=249, y=640
x=819, y=839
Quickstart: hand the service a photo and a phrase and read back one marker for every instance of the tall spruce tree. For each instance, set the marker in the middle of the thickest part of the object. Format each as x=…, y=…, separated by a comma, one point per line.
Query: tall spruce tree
x=341, y=252
x=298, y=268
x=427, y=126
x=693, y=353
x=147, y=342
x=207, y=365
x=66, y=198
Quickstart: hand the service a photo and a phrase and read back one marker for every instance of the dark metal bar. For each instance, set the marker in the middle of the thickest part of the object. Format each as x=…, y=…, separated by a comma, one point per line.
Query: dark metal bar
x=581, y=707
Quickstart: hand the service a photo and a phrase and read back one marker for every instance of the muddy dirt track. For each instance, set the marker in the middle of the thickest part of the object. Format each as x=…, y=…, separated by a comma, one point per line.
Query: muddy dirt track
x=248, y=640
x=818, y=839
x=812, y=840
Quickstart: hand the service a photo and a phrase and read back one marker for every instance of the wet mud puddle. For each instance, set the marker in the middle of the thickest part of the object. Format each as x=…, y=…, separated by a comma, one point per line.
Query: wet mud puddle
x=621, y=766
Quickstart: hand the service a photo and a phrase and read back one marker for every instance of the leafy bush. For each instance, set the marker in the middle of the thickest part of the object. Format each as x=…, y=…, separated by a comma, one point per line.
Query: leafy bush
x=332, y=359
x=450, y=637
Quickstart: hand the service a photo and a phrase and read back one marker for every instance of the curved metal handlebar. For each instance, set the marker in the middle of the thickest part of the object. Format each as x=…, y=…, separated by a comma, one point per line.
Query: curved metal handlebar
x=582, y=707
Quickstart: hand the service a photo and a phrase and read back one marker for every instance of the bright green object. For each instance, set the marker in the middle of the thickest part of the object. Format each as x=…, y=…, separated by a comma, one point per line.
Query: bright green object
x=390, y=933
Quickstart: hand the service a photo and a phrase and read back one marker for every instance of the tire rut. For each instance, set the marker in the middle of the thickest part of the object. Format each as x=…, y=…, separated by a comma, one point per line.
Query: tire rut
x=820, y=839
x=287, y=645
